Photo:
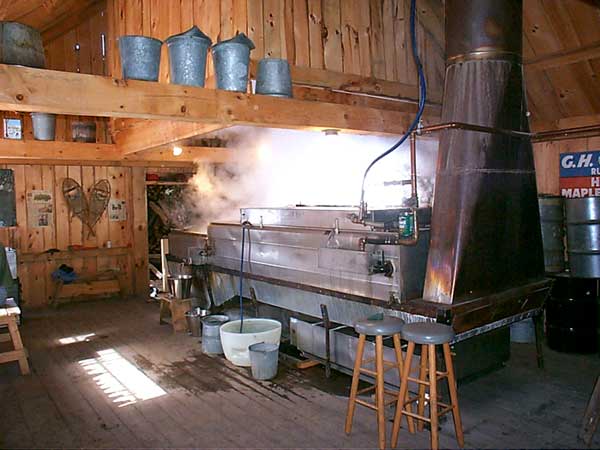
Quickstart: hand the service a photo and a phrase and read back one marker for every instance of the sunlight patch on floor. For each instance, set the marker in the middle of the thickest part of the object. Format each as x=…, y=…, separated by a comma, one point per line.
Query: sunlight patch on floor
x=74, y=339
x=120, y=380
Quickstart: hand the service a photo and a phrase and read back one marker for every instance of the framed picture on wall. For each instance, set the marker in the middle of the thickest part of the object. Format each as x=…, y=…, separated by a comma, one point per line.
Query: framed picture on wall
x=13, y=129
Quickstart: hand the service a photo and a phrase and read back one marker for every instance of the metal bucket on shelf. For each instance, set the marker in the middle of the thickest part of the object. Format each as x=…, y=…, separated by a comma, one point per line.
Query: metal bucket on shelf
x=140, y=57
x=583, y=236
x=232, y=61
x=187, y=57
x=553, y=232
x=44, y=126
x=180, y=286
x=211, y=336
x=83, y=131
x=273, y=78
x=21, y=45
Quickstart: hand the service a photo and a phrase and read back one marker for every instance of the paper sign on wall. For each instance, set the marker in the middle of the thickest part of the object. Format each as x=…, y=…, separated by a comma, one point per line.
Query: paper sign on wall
x=117, y=211
x=40, y=208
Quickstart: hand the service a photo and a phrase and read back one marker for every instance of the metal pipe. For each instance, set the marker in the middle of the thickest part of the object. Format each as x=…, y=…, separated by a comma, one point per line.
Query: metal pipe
x=473, y=127
x=413, y=170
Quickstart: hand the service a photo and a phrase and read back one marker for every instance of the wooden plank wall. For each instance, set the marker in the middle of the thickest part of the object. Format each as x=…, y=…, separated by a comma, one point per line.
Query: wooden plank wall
x=547, y=155
x=65, y=231
x=363, y=37
x=80, y=50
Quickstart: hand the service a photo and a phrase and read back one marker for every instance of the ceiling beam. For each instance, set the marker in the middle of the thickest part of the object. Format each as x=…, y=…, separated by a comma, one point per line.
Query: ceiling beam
x=557, y=59
x=565, y=123
x=29, y=90
x=133, y=136
x=65, y=153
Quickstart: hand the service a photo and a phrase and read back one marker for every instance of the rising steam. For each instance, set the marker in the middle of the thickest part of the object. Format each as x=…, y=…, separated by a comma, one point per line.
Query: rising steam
x=287, y=168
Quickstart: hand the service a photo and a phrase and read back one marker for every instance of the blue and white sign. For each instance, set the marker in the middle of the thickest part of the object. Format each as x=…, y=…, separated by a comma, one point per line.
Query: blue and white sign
x=580, y=174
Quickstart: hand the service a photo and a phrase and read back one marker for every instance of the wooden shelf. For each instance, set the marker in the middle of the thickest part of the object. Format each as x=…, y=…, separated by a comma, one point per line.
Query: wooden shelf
x=167, y=183
x=70, y=254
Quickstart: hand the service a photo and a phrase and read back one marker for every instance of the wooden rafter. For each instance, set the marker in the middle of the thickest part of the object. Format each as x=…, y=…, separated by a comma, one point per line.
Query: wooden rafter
x=558, y=59
x=81, y=12
x=55, y=152
x=28, y=90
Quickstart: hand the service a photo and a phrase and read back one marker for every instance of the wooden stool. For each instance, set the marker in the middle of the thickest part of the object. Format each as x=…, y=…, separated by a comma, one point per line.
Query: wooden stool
x=428, y=335
x=388, y=326
x=178, y=308
x=8, y=316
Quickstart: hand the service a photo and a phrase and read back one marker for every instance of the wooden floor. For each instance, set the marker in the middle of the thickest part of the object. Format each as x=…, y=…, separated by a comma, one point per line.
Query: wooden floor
x=83, y=392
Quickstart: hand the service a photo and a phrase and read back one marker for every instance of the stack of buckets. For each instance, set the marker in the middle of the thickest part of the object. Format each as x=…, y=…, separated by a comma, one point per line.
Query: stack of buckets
x=140, y=60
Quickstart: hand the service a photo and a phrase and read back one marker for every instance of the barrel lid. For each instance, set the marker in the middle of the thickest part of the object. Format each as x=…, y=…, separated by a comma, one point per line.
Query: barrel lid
x=193, y=32
x=239, y=38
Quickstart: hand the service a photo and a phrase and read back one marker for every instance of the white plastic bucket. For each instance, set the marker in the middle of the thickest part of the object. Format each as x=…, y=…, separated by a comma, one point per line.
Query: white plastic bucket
x=235, y=344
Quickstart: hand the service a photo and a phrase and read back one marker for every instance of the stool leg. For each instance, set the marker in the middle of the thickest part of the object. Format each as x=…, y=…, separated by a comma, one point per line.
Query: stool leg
x=13, y=329
x=453, y=396
x=355, y=379
x=402, y=394
x=422, y=377
x=433, y=409
x=379, y=391
x=398, y=350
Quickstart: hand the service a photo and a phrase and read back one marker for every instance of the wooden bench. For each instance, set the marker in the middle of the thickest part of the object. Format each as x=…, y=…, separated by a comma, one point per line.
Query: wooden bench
x=102, y=283
x=8, y=317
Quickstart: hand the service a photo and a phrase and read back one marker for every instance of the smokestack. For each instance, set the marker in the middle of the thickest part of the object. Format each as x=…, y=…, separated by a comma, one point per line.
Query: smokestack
x=485, y=233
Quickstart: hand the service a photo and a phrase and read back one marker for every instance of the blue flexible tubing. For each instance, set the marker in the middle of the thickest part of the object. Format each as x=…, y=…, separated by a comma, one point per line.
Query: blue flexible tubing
x=422, y=97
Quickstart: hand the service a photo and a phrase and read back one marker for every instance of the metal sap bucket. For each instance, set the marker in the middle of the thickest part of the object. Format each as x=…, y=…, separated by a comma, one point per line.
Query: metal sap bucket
x=232, y=61
x=583, y=236
x=140, y=57
x=273, y=78
x=211, y=336
x=187, y=57
x=83, y=131
x=180, y=286
x=21, y=45
x=553, y=232
x=263, y=360
x=194, y=320
x=44, y=126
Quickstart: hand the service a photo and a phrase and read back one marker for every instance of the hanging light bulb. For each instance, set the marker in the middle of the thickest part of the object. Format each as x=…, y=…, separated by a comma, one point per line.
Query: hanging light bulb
x=177, y=150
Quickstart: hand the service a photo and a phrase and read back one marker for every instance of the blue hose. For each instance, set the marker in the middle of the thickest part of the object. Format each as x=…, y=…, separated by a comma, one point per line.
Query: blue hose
x=422, y=96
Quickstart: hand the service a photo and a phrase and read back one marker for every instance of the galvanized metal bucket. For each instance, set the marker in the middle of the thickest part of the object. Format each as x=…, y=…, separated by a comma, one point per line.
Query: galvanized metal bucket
x=140, y=57
x=44, y=126
x=552, y=223
x=263, y=360
x=273, y=78
x=21, y=45
x=211, y=336
x=232, y=60
x=583, y=236
x=187, y=57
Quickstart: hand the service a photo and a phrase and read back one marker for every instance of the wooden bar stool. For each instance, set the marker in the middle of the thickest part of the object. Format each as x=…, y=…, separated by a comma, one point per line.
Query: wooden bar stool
x=428, y=335
x=8, y=317
x=388, y=326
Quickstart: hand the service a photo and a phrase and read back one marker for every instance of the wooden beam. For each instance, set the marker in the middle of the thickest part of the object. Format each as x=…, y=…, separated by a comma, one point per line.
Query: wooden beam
x=28, y=90
x=356, y=84
x=562, y=58
x=132, y=135
x=65, y=153
x=565, y=123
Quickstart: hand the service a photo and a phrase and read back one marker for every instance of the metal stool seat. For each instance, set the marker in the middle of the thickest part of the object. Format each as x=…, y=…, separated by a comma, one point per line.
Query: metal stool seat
x=388, y=326
x=427, y=333
x=378, y=327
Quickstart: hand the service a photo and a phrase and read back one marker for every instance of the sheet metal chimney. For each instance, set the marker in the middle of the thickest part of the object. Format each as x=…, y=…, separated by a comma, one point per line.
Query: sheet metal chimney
x=485, y=231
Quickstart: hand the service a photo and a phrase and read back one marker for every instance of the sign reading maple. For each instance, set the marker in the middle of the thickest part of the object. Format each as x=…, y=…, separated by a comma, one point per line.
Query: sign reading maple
x=580, y=174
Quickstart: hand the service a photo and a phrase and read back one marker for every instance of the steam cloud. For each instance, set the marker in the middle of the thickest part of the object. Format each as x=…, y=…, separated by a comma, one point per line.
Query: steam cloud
x=279, y=168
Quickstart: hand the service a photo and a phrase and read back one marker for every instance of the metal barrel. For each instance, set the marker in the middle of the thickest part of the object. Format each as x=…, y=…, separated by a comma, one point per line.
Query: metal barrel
x=187, y=57
x=140, y=57
x=44, y=126
x=583, y=236
x=553, y=232
x=273, y=78
x=22, y=45
x=232, y=60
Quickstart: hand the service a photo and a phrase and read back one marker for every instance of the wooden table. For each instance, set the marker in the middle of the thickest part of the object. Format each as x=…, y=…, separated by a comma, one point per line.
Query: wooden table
x=9, y=316
x=178, y=308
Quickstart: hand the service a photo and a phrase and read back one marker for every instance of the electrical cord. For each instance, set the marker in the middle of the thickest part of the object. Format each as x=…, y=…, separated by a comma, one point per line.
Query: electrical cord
x=422, y=98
